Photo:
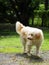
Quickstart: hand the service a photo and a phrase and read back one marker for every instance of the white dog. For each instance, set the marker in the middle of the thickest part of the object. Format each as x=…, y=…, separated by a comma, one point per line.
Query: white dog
x=29, y=37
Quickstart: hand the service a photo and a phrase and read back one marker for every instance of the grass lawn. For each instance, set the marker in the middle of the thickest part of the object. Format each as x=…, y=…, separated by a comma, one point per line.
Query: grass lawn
x=12, y=43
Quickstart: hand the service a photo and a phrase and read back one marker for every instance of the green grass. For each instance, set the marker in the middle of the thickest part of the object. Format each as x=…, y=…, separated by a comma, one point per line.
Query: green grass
x=12, y=43
x=45, y=45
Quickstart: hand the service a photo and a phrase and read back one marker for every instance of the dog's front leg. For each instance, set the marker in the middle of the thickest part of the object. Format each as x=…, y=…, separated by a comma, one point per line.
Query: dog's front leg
x=37, y=50
x=28, y=47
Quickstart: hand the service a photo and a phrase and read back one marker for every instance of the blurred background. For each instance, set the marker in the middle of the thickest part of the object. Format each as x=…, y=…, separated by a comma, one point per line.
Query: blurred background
x=29, y=12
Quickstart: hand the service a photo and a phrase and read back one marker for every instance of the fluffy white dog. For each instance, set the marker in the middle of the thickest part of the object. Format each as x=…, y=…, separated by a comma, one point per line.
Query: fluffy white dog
x=29, y=37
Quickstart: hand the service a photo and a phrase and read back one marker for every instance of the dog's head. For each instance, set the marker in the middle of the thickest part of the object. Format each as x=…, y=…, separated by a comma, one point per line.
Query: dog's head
x=33, y=36
x=36, y=35
x=30, y=35
x=19, y=27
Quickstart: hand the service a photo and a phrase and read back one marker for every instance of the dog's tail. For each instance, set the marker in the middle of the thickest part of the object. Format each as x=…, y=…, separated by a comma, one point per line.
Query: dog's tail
x=19, y=27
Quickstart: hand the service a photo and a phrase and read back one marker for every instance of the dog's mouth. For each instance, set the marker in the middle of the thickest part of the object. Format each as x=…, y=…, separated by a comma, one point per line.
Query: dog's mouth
x=30, y=38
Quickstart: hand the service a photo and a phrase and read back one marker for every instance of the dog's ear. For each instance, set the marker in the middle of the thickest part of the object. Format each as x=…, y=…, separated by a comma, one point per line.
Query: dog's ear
x=37, y=36
x=19, y=27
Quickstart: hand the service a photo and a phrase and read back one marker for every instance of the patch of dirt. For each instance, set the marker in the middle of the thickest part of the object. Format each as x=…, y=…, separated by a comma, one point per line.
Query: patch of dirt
x=23, y=59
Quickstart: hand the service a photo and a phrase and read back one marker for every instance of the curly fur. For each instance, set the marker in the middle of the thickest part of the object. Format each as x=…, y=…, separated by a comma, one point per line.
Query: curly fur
x=29, y=36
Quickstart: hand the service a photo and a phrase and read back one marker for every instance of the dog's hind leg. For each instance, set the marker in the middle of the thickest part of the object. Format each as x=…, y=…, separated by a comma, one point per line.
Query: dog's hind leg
x=24, y=44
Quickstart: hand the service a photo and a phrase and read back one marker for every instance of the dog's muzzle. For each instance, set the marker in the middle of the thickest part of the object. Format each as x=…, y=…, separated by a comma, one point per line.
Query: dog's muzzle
x=29, y=38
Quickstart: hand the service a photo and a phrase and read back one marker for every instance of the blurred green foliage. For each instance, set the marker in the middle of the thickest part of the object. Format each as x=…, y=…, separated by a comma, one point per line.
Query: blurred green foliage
x=24, y=11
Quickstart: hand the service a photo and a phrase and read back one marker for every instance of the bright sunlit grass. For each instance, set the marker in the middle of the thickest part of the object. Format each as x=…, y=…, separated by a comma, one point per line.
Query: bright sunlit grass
x=12, y=43
x=45, y=45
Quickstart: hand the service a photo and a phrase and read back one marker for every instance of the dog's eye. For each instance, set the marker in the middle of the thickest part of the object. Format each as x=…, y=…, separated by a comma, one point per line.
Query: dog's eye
x=31, y=34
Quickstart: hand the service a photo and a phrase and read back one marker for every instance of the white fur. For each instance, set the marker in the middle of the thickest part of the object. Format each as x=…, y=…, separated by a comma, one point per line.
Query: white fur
x=29, y=36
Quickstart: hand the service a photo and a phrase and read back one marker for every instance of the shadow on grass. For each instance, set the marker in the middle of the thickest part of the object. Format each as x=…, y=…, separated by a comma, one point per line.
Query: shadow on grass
x=32, y=58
